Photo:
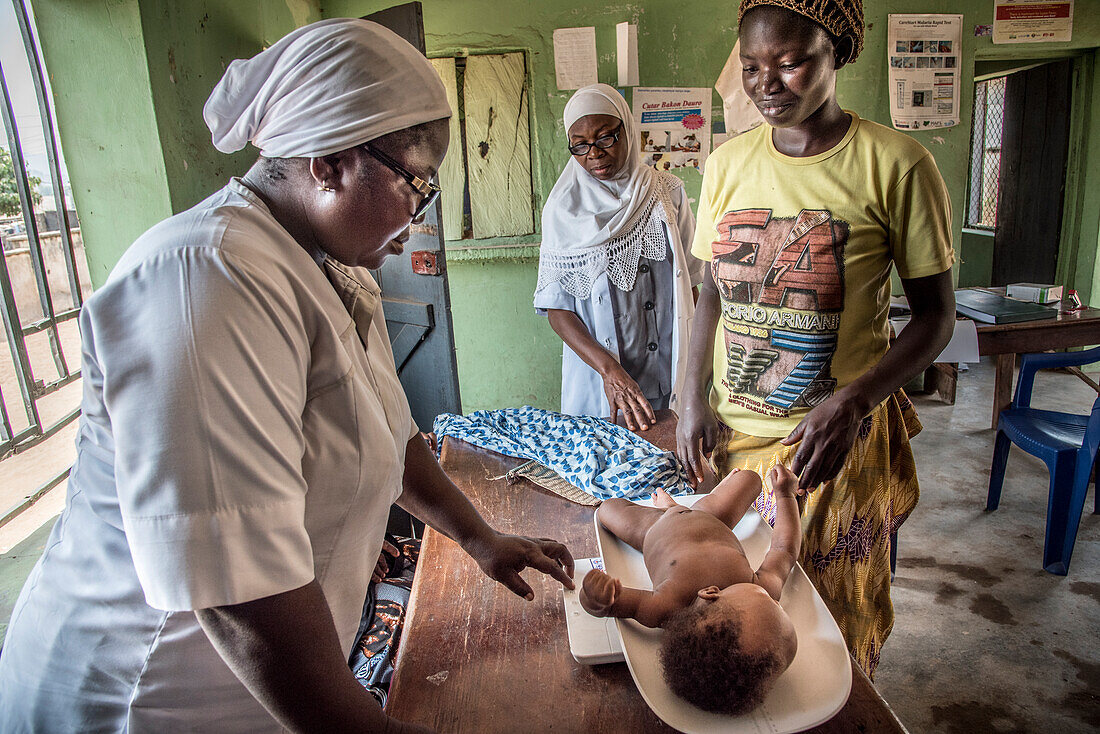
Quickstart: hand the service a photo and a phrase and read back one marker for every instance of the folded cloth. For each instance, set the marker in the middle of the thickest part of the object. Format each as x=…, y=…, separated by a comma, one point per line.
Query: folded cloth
x=601, y=458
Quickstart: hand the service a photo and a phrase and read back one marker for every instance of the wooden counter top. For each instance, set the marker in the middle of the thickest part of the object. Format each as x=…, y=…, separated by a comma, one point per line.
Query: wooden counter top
x=476, y=658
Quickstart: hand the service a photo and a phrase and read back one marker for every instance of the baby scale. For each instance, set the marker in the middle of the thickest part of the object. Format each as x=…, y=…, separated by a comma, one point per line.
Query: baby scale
x=810, y=692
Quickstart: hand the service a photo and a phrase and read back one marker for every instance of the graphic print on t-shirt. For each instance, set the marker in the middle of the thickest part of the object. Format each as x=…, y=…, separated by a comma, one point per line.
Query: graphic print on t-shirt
x=782, y=287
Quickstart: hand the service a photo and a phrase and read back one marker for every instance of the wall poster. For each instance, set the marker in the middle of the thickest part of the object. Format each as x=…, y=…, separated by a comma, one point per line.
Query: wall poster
x=924, y=52
x=575, y=57
x=674, y=125
x=1032, y=21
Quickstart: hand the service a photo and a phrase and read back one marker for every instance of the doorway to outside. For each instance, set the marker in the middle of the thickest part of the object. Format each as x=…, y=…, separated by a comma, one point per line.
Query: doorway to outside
x=1020, y=145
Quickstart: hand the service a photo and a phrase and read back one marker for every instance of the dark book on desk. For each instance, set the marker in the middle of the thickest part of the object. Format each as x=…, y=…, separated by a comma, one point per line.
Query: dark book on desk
x=990, y=308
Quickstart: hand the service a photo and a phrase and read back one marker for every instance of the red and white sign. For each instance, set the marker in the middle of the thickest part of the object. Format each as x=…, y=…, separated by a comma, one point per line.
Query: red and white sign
x=1032, y=21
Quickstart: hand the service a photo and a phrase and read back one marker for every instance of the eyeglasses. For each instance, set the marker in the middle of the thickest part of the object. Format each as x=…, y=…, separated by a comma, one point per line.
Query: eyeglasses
x=426, y=189
x=603, y=143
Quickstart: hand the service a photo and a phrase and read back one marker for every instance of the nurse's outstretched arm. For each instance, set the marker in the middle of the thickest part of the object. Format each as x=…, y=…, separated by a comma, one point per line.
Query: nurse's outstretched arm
x=285, y=650
x=431, y=496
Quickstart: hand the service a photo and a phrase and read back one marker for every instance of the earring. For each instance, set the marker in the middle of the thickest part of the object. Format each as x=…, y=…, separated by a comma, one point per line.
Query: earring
x=324, y=186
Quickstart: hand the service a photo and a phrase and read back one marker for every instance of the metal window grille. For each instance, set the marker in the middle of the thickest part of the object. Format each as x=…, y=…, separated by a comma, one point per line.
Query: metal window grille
x=985, y=153
x=36, y=338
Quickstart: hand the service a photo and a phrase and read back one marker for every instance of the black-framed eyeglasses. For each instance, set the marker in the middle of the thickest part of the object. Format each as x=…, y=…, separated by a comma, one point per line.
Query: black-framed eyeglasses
x=603, y=142
x=426, y=189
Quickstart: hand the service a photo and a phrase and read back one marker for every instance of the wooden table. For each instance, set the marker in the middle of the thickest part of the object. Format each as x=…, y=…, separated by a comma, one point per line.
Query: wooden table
x=476, y=658
x=1076, y=329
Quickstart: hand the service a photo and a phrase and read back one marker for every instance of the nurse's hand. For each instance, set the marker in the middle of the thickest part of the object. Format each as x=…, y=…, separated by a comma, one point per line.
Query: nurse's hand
x=502, y=557
x=623, y=394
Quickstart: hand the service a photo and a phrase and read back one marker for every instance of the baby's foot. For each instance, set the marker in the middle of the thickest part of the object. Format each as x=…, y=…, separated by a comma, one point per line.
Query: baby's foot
x=661, y=498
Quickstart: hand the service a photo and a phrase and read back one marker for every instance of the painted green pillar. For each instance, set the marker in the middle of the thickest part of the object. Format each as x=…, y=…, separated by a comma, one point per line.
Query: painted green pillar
x=129, y=79
x=95, y=59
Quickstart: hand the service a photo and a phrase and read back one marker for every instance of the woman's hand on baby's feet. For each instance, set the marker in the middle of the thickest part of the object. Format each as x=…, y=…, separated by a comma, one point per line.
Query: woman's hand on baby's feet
x=784, y=482
x=599, y=592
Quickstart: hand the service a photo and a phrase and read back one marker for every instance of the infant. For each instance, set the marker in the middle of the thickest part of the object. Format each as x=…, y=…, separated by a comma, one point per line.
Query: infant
x=726, y=638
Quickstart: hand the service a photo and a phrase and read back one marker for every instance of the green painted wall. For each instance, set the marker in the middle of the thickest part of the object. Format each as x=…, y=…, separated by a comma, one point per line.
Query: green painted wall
x=507, y=355
x=95, y=59
x=975, y=266
x=129, y=79
x=457, y=27
x=1086, y=165
x=189, y=43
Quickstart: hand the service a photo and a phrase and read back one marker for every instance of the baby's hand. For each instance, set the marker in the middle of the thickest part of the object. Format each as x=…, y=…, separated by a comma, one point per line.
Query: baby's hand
x=784, y=482
x=599, y=592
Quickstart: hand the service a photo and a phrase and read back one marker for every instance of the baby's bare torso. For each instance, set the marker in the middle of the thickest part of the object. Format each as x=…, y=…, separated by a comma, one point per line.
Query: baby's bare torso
x=687, y=550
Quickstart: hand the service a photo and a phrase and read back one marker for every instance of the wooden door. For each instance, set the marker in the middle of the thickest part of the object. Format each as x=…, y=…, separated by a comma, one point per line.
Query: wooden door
x=1034, y=146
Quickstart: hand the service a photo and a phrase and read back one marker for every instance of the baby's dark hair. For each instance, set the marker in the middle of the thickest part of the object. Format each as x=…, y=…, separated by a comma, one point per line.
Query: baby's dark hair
x=704, y=662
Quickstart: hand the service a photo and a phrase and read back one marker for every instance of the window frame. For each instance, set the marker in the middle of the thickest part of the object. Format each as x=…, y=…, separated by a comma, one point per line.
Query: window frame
x=986, y=136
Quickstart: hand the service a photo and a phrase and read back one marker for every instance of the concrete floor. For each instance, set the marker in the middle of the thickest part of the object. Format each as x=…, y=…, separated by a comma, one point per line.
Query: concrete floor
x=985, y=640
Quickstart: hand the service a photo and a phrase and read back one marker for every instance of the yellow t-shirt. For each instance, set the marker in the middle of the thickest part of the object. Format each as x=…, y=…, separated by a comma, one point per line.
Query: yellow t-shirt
x=801, y=249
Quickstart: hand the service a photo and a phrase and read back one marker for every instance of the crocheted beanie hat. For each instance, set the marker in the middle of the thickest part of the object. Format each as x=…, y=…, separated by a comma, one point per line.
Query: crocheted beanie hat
x=838, y=17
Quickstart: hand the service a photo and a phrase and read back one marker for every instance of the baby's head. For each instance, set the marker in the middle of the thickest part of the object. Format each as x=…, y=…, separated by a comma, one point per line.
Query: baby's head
x=724, y=652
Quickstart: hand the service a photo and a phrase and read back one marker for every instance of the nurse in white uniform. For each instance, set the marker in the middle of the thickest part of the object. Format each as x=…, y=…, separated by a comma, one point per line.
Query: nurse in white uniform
x=615, y=274
x=243, y=430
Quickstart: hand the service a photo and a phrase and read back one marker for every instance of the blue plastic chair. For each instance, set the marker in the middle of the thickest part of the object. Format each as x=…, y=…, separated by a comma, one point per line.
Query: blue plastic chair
x=1065, y=441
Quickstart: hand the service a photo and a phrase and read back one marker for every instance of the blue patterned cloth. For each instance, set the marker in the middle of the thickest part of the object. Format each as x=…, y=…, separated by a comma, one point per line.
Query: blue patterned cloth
x=598, y=457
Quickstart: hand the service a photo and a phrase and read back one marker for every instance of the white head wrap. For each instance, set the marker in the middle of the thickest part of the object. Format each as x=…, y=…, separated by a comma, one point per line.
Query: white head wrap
x=590, y=226
x=323, y=88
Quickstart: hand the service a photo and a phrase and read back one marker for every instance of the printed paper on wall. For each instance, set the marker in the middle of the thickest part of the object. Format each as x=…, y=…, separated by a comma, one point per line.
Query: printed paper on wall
x=575, y=57
x=1032, y=21
x=674, y=125
x=923, y=53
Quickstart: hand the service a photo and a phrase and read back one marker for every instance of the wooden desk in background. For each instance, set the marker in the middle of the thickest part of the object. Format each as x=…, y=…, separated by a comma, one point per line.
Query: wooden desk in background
x=475, y=658
x=1005, y=341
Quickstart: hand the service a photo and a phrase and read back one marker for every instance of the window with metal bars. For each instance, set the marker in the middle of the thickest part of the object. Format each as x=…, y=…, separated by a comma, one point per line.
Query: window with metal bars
x=985, y=153
x=43, y=278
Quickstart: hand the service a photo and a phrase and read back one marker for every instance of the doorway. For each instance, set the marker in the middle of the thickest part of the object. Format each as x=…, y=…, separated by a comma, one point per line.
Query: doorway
x=1019, y=154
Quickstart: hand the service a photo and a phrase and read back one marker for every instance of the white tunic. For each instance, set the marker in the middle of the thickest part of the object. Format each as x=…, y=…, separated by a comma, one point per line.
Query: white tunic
x=581, y=386
x=237, y=441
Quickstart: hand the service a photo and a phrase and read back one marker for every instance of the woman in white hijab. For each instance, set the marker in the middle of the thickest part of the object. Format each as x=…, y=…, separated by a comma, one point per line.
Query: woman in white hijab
x=615, y=278
x=243, y=431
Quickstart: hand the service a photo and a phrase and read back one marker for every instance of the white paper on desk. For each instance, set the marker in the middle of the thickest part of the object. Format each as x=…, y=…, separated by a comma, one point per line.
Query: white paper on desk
x=575, y=57
x=963, y=346
x=626, y=43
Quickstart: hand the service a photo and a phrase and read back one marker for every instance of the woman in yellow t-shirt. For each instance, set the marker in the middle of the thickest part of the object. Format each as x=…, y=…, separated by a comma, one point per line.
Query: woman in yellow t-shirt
x=790, y=360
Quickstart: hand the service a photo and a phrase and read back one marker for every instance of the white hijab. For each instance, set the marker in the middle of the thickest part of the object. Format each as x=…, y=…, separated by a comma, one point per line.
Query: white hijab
x=590, y=226
x=323, y=88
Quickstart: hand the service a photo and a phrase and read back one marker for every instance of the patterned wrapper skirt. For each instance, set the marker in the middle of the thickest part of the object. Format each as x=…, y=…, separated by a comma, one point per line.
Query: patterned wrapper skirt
x=847, y=523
